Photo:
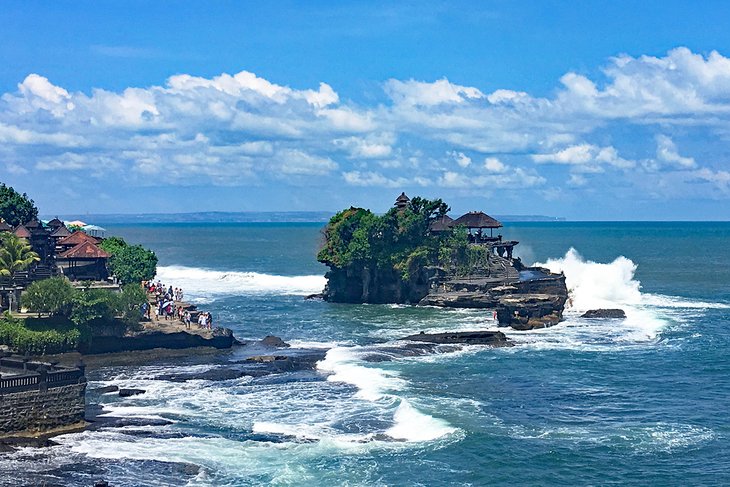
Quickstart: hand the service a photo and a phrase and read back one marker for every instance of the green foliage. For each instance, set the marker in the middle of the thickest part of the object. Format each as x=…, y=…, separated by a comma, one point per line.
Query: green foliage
x=400, y=241
x=94, y=306
x=130, y=263
x=54, y=296
x=15, y=254
x=19, y=337
x=130, y=303
x=16, y=208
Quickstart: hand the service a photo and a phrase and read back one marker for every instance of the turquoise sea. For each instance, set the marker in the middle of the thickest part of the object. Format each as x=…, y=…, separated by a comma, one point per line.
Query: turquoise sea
x=641, y=401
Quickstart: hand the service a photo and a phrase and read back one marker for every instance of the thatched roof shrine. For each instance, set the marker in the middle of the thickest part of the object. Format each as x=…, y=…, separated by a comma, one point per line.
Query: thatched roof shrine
x=441, y=224
x=477, y=219
x=4, y=227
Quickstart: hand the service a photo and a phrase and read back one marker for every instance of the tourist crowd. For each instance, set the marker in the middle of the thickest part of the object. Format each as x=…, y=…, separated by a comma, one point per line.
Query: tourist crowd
x=168, y=305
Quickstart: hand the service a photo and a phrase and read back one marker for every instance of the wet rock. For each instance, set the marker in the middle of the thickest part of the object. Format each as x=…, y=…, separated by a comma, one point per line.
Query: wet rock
x=317, y=296
x=275, y=342
x=218, y=374
x=530, y=311
x=130, y=392
x=106, y=389
x=13, y=442
x=604, y=313
x=493, y=338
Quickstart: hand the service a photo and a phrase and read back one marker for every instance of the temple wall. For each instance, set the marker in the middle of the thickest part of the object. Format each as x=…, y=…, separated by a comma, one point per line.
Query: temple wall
x=42, y=410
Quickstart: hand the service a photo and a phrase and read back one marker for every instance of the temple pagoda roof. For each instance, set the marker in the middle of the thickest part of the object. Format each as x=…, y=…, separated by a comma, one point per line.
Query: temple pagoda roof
x=21, y=231
x=477, y=219
x=84, y=250
x=31, y=224
x=55, y=223
x=78, y=237
x=4, y=227
x=61, y=232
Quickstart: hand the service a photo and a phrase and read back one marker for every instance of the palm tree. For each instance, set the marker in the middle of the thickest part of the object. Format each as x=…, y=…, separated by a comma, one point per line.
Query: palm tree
x=15, y=254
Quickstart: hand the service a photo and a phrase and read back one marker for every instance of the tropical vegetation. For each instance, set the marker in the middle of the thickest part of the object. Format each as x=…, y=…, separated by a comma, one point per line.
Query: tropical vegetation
x=129, y=263
x=16, y=254
x=16, y=208
x=398, y=240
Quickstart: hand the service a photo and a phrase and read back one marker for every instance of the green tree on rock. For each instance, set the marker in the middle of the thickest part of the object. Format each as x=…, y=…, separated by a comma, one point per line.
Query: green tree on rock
x=15, y=254
x=54, y=296
x=130, y=263
x=16, y=208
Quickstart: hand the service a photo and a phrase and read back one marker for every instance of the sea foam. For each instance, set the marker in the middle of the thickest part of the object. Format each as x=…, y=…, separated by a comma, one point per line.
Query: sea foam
x=206, y=283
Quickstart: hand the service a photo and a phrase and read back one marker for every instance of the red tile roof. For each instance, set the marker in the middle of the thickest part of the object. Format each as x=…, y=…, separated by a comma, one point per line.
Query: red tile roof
x=76, y=238
x=22, y=232
x=84, y=250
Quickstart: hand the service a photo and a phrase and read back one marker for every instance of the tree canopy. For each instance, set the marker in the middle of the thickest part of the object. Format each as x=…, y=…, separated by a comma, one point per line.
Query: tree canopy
x=130, y=263
x=16, y=208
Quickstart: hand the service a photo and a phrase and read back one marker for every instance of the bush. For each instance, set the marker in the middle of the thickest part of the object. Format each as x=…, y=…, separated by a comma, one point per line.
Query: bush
x=130, y=263
x=17, y=336
x=54, y=296
x=94, y=305
x=130, y=303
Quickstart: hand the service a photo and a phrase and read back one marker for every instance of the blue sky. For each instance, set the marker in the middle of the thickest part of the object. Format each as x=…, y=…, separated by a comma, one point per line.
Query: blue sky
x=589, y=110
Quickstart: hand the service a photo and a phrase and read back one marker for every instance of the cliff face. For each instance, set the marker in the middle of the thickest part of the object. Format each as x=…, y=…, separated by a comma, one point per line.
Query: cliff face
x=363, y=284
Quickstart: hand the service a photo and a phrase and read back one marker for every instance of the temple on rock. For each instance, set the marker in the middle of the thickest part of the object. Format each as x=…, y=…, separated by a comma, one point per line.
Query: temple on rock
x=74, y=254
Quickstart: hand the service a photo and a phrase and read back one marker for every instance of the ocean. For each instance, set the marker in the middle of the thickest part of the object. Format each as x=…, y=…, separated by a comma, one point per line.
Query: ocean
x=640, y=401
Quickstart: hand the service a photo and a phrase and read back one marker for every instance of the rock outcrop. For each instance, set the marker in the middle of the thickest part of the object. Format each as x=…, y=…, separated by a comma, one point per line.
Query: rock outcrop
x=530, y=311
x=604, y=313
x=493, y=338
x=149, y=339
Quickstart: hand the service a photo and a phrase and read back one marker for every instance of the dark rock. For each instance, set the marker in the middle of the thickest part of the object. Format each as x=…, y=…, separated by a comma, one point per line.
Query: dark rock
x=604, y=313
x=130, y=392
x=493, y=338
x=530, y=311
x=148, y=340
x=218, y=374
x=12, y=442
x=318, y=296
x=106, y=389
x=275, y=342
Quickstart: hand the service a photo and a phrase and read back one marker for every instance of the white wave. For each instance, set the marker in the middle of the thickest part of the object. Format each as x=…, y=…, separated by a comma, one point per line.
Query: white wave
x=205, y=283
x=413, y=425
x=593, y=285
x=345, y=366
x=376, y=385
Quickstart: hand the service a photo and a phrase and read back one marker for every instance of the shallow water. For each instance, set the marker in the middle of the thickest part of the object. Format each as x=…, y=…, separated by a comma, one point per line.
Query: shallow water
x=636, y=401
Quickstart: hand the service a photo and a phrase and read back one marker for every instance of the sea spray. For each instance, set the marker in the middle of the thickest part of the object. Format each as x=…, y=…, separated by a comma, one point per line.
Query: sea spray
x=594, y=285
x=207, y=283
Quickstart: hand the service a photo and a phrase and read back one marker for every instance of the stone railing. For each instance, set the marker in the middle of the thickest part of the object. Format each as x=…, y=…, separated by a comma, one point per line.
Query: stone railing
x=37, y=376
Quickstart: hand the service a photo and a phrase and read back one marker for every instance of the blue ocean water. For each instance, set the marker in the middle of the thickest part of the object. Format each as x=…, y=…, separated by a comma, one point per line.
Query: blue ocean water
x=641, y=401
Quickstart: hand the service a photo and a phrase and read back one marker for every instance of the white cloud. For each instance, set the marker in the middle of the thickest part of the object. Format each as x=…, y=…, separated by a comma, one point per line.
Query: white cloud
x=357, y=178
x=236, y=128
x=492, y=164
x=460, y=158
x=666, y=152
x=588, y=157
x=413, y=92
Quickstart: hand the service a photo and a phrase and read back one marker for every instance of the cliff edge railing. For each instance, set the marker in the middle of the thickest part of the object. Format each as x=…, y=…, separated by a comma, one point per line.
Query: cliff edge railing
x=20, y=374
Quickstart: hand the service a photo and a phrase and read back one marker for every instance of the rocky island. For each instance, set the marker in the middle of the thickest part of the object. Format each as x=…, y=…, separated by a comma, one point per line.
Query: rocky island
x=417, y=254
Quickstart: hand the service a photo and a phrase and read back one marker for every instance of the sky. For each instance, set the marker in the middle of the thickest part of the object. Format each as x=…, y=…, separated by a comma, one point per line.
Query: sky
x=586, y=110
